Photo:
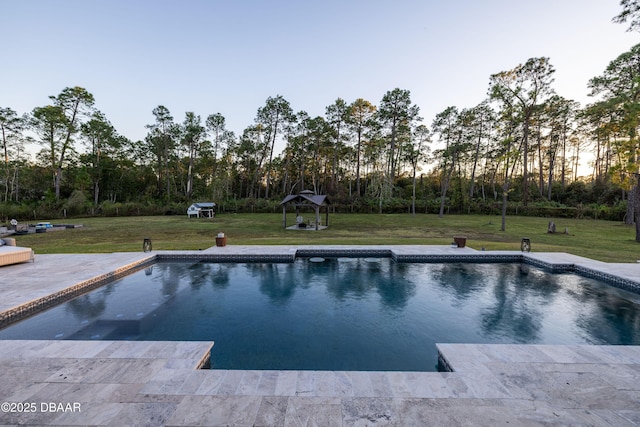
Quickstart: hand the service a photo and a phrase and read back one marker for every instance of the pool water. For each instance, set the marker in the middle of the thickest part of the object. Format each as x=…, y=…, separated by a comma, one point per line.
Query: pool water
x=344, y=313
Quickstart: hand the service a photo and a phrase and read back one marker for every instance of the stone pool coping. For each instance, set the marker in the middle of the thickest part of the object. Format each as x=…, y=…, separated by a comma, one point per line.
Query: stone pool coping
x=159, y=383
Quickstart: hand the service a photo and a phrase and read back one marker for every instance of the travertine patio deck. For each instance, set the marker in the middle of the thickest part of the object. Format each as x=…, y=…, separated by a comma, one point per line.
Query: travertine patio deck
x=158, y=383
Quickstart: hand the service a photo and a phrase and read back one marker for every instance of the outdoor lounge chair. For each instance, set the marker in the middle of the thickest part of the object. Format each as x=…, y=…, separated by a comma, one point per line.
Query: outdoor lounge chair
x=11, y=254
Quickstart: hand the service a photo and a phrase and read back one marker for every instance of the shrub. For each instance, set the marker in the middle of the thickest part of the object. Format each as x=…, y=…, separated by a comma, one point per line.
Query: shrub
x=76, y=203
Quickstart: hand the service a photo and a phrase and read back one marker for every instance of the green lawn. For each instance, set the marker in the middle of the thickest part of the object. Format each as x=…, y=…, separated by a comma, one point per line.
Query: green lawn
x=602, y=240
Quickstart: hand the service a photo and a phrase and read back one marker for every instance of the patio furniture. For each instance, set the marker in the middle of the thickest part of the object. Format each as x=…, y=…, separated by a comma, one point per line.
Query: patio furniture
x=12, y=254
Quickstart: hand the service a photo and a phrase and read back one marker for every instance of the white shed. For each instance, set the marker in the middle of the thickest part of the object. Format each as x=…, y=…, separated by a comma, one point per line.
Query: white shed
x=201, y=210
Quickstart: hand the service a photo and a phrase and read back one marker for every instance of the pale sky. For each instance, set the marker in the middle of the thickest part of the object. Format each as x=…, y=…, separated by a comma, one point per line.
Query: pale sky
x=229, y=56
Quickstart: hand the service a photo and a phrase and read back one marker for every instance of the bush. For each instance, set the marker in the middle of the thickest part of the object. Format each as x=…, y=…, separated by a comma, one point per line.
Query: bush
x=76, y=203
x=18, y=211
x=131, y=209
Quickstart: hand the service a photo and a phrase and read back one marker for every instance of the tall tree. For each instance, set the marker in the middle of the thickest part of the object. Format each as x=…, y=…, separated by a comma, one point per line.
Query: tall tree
x=336, y=117
x=361, y=120
x=10, y=124
x=76, y=103
x=510, y=118
x=396, y=114
x=508, y=154
x=416, y=154
x=63, y=120
x=49, y=124
x=483, y=118
x=300, y=148
x=274, y=117
x=321, y=137
x=251, y=152
x=101, y=136
x=619, y=85
x=11, y=127
x=445, y=125
x=630, y=12
x=160, y=138
x=524, y=86
x=192, y=133
x=599, y=122
x=222, y=141
x=216, y=126
x=559, y=114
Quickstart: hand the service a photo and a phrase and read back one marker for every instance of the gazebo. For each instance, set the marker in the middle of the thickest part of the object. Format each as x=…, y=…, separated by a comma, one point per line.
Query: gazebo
x=306, y=198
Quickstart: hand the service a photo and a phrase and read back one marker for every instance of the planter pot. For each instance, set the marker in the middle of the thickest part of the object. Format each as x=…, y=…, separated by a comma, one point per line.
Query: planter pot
x=461, y=241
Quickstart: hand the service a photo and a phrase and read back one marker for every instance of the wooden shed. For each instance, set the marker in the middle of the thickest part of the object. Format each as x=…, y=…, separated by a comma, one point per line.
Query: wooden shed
x=201, y=210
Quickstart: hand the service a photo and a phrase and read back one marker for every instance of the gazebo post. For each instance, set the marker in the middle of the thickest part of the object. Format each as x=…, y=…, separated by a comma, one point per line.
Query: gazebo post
x=326, y=218
x=284, y=216
x=317, y=209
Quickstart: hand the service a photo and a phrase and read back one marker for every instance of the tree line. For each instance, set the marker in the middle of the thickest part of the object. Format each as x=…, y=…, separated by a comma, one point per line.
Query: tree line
x=521, y=145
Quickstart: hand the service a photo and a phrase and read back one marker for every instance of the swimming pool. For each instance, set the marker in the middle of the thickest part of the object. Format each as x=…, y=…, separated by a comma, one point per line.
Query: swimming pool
x=342, y=313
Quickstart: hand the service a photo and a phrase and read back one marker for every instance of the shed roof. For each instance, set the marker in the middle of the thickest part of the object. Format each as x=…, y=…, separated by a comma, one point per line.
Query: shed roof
x=204, y=205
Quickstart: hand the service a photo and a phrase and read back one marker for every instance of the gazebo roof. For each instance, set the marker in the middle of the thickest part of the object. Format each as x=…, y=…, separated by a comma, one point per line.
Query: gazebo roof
x=306, y=197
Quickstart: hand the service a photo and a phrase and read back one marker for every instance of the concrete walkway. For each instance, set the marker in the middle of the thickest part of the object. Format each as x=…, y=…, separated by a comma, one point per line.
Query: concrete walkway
x=159, y=383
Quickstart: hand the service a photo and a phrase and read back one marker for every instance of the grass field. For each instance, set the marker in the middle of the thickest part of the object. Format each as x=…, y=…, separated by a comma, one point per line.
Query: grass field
x=602, y=240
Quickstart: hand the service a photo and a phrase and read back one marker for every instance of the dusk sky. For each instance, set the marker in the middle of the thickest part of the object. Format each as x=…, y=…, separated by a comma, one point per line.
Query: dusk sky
x=229, y=56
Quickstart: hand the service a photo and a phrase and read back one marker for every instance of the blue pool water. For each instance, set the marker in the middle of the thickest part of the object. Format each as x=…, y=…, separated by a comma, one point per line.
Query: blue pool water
x=344, y=313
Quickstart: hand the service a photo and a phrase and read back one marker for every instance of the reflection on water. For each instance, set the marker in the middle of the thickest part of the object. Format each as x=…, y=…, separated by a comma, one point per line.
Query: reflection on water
x=343, y=314
x=514, y=313
x=88, y=306
x=277, y=281
x=605, y=317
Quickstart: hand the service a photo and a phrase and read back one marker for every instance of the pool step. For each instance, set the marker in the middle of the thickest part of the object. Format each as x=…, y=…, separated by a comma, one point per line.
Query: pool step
x=108, y=330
